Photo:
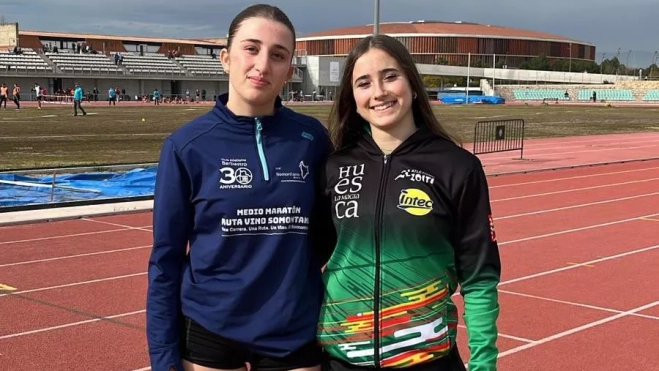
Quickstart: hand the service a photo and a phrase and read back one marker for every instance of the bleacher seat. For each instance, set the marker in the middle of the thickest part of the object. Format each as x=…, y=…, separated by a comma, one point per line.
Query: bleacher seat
x=201, y=65
x=28, y=61
x=83, y=63
x=539, y=94
x=651, y=95
x=620, y=95
x=151, y=64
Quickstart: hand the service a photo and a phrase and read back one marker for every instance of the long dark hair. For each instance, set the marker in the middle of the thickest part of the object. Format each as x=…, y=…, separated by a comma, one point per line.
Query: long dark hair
x=346, y=125
x=260, y=11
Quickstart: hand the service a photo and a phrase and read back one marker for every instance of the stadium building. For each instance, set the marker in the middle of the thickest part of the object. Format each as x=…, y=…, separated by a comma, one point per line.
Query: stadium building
x=178, y=67
x=435, y=42
x=136, y=65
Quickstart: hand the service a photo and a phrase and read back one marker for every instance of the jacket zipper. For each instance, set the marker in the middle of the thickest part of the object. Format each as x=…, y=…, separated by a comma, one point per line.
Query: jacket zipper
x=259, y=146
x=378, y=227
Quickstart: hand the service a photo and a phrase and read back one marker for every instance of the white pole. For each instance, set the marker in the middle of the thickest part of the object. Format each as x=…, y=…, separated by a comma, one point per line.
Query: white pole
x=494, y=71
x=52, y=189
x=468, y=71
x=376, y=18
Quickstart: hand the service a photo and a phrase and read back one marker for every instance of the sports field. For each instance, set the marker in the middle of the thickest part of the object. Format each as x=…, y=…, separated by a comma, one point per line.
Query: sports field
x=578, y=243
x=578, y=246
x=51, y=137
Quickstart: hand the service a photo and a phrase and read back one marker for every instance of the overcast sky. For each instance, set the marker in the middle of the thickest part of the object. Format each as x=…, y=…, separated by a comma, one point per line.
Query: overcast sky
x=609, y=24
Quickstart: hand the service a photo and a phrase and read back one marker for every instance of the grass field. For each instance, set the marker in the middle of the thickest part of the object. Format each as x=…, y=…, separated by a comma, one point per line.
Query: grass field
x=51, y=137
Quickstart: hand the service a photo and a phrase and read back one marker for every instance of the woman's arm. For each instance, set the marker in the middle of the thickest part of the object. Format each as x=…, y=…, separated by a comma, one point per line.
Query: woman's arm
x=479, y=269
x=172, y=220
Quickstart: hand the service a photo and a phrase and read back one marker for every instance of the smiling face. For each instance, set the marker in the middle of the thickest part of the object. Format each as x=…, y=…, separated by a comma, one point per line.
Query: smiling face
x=382, y=92
x=258, y=64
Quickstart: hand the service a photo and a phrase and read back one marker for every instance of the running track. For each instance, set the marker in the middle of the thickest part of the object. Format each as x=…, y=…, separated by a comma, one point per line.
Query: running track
x=552, y=153
x=580, y=252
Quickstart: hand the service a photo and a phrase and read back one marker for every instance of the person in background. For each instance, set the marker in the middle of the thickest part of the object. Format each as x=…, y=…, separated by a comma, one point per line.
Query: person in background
x=39, y=94
x=112, y=97
x=77, y=100
x=413, y=219
x=239, y=229
x=16, y=95
x=4, y=95
x=156, y=97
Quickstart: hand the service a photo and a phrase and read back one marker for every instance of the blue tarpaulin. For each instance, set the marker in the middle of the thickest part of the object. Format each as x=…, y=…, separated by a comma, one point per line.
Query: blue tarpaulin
x=461, y=98
x=18, y=190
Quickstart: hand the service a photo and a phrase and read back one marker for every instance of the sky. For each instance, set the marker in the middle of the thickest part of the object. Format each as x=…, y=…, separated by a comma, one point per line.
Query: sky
x=609, y=24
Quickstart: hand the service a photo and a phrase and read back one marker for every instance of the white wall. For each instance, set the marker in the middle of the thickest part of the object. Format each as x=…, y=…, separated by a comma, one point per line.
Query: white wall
x=103, y=85
x=26, y=83
x=520, y=75
x=212, y=87
x=133, y=87
x=318, y=75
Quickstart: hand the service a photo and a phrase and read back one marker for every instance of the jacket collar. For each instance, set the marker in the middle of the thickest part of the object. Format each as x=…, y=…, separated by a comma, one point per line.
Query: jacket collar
x=421, y=135
x=227, y=116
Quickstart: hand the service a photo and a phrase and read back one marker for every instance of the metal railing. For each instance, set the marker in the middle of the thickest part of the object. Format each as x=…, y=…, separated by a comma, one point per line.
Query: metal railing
x=499, y=136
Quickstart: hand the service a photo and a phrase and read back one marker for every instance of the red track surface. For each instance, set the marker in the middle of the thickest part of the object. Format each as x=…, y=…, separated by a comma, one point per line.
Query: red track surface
x=580, y=252
x=551, y=153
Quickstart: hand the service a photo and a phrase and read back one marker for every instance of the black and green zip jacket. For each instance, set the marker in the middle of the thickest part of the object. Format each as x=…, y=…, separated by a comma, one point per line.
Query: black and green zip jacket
x=412, y=227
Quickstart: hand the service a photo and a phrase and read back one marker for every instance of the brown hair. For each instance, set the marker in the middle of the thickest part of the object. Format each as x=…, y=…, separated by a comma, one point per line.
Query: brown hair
x=346, y=125
x=260, y=11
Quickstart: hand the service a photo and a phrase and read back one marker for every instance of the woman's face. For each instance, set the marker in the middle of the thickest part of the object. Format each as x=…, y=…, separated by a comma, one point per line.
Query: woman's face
x=382, y=92
x=259, y=62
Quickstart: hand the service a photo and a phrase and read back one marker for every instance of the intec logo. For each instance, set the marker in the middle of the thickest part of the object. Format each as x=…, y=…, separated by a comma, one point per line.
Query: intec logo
x=415, y=202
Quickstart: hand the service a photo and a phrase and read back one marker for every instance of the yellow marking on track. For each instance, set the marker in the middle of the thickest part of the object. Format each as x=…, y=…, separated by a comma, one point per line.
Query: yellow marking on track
x=4, y=287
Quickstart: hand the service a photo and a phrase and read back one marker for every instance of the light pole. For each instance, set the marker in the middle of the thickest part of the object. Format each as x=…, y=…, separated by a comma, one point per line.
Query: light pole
x=376, y=20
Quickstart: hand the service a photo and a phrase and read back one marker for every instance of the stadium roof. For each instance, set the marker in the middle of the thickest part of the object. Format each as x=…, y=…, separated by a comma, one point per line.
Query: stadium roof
x=63, y=35
x=428, y=28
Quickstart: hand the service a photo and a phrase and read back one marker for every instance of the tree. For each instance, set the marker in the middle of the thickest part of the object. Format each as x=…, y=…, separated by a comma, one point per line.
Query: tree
x=610, y=66
x=430, y=81
x=441, y=60
x=540, y=63
x=478, y=63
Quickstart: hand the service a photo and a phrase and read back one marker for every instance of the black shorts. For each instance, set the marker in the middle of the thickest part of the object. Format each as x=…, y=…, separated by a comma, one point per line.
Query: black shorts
x=204, y=348
x=452, y=362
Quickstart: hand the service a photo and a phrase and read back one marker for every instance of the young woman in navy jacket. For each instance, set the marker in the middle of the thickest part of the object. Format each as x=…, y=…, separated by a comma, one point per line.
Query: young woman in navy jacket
x=239, y=186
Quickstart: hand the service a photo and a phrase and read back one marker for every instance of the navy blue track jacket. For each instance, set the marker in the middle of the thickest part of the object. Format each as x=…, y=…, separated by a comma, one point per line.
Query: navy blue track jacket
x=243, y=192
